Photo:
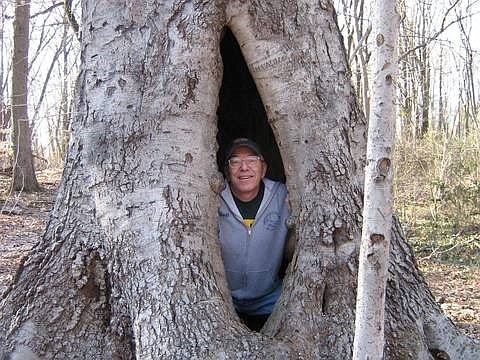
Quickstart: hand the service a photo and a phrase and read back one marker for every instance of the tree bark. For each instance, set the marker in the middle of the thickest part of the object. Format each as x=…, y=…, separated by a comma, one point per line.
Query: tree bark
x=3, y=111
x=378, y=198
x=63, y=120
x=130, y=267
x=24, y=177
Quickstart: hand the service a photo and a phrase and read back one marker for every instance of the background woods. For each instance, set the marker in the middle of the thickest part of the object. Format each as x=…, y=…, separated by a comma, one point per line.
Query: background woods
x=437, y=177
x=437, y=169
x=437, y=86
x=53, y=56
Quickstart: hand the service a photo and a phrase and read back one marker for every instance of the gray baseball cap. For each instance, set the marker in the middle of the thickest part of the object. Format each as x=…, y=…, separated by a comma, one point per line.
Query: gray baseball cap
x=242, y=142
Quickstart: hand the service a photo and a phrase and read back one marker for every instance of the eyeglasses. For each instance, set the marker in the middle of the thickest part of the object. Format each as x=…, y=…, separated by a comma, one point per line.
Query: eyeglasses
x=236, y=162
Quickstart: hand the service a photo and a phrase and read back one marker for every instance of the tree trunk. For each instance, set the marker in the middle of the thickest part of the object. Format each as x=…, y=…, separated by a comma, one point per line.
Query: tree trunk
x=24, y=177
x=130, y=267
x=3, y=111
x=60, y=125
x=378, y=199
x=441, y=124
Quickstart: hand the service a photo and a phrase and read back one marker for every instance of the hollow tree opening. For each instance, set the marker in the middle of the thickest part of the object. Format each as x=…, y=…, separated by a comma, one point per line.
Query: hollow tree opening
x=241, y=112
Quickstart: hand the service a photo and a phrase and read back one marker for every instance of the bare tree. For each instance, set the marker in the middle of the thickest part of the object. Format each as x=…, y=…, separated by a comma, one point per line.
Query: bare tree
x=24, y=177
x=52, y=93
x=129, y=265
x=70, y=16
x=423, y=66
x=358, y=28
x=414, y=84
x=378, y=198
x=3, y=111
x=441, y=123
x=60, y=126
x=468, y=93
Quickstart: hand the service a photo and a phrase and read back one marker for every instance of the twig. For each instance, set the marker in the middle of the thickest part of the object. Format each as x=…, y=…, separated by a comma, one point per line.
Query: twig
x=435, y=251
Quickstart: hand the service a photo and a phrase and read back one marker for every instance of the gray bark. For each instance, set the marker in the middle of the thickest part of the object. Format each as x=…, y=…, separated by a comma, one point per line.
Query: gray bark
x=378, y=199
x=24, y=177
x=3, y=120
x=129, y=266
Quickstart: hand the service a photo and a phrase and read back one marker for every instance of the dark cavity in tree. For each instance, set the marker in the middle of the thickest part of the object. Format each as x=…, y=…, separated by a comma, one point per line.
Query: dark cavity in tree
x=241, y=112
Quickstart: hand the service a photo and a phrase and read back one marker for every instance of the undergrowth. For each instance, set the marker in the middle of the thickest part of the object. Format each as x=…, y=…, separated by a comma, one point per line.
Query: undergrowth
x=437, y=196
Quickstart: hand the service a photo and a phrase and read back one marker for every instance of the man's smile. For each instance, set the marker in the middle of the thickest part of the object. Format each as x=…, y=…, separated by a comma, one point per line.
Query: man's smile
x=245, y=177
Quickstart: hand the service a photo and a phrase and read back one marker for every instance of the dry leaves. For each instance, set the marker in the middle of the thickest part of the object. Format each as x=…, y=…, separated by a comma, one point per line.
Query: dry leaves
x=457, y=290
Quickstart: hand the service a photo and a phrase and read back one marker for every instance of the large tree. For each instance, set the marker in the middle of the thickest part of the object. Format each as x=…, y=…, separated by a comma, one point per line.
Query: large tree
x=129, y=265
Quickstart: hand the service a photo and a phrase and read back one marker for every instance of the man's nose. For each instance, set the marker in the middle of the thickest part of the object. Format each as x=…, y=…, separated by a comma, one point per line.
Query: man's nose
x=244, y=165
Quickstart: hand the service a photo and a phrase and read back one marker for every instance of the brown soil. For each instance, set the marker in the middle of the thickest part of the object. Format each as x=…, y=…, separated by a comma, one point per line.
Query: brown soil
x=23, y=217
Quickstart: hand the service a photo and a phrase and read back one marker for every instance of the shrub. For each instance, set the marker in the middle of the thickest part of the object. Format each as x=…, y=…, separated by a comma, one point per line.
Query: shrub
x=437, y=192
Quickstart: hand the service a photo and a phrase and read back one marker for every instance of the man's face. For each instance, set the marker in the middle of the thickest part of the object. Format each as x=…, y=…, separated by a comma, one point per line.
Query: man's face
x=245, y=178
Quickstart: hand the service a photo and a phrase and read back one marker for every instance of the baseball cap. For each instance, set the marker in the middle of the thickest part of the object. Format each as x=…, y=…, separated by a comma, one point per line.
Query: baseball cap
x=242, y=142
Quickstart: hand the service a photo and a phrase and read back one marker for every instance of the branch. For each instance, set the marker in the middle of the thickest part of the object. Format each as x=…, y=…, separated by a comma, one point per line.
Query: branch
x=360, y=43
x=67, y=5
x=438, y=251
x=46, y=10
x=47, y=78
x=443, y=27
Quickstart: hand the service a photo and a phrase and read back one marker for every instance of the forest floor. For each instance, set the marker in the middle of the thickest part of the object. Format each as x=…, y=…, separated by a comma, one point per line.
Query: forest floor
x=23, y=218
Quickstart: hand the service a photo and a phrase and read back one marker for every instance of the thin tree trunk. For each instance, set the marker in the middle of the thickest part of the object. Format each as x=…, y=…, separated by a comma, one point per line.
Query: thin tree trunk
x=24, y=177
x=363, y=55
x=378, y=194
x=3, y=111
x=63, y=123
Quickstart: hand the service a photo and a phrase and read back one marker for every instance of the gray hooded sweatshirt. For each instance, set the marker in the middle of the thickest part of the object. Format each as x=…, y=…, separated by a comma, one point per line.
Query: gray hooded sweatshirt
x=252, y=256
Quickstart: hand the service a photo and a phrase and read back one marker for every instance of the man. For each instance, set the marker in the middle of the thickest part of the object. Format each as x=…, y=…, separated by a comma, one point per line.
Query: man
x=253, y=229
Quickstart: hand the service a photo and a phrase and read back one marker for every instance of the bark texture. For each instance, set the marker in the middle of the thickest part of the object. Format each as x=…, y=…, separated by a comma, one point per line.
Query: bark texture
x=378, y=199
x=24, y=177
x=129, y=266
